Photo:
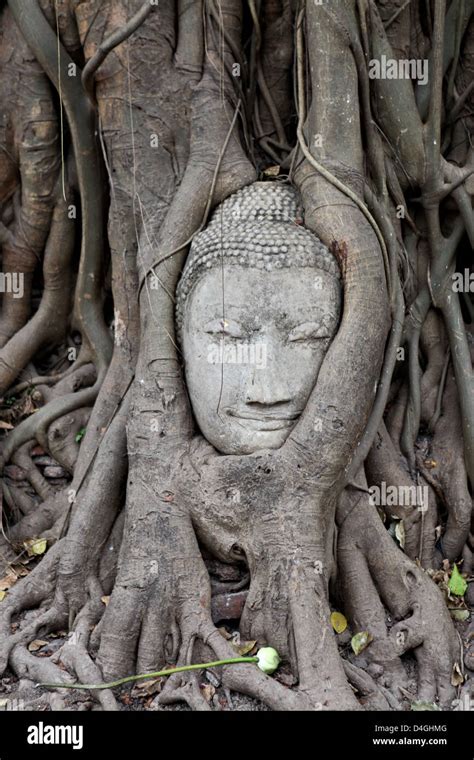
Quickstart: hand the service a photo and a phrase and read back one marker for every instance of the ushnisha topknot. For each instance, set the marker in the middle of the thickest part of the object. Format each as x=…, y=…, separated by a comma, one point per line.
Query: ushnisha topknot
x=258, y=226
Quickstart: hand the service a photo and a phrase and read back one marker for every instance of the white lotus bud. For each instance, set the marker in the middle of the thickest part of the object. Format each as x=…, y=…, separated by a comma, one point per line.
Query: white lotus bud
x=268, y=660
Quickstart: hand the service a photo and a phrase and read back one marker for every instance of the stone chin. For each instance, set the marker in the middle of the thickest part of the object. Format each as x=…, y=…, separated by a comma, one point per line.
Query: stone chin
x=239, y=440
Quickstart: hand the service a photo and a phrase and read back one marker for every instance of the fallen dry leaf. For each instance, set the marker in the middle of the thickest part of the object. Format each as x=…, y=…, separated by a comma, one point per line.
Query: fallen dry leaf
x=338, y=622
x=208, y=691
x=33, y=646
x=147, y=688
x=457, y=677
x=8, y=581
x=272, y=171
x=245, y=647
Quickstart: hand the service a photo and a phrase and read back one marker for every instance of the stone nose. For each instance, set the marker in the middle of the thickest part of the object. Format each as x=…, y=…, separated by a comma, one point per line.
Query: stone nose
x=266, y=387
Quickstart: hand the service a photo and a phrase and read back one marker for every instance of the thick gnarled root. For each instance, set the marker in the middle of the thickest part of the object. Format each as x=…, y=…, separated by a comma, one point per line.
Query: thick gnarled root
x=376, y=576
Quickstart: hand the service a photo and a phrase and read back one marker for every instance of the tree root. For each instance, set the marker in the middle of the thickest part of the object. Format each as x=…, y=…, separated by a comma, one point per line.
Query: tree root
x=49, y=324
x=37, y=425
x=374, y=574
x=384, y=466
x=29, y=179
x=449, y=470
x=160, y=622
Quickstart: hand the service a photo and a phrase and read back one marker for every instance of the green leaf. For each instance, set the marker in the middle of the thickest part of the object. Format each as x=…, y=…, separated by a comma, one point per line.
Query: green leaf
x=360, y=641
x=457, y=585
x=460, y=615
x=35, y=546
x=80, y=435
x=424, y=706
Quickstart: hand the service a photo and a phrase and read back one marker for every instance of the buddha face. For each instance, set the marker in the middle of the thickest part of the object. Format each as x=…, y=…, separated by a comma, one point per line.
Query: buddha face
x=253, y=342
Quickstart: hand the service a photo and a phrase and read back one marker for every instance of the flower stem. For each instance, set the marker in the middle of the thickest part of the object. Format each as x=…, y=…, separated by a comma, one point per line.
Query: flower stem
x=143, y=676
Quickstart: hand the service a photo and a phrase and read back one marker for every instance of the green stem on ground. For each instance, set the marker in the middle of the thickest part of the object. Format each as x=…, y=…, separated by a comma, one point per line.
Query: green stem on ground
x=143, y=676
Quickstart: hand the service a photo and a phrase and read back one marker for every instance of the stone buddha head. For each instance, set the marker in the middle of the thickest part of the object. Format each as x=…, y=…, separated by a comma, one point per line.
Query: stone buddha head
x=257, y=306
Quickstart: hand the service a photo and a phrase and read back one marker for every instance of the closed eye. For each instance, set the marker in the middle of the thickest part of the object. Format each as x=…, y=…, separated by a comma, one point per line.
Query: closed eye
x=308, y=331
x=224, y=327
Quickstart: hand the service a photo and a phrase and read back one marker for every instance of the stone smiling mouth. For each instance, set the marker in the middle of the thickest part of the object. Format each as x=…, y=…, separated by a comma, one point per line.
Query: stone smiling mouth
x=264, y=422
